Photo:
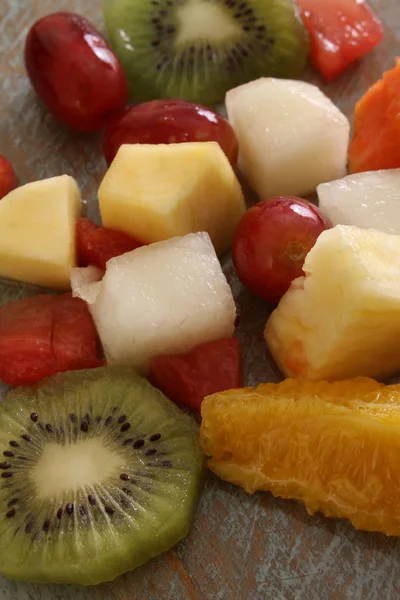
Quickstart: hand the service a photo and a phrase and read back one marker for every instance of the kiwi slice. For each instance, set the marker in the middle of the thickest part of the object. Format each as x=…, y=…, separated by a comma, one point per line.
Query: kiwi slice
x=197, y=50
x=99, y=472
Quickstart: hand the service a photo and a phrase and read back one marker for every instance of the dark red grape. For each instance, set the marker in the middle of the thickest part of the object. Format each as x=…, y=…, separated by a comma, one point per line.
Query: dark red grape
x=271, y=242
x=74, y=71
x=168, y=122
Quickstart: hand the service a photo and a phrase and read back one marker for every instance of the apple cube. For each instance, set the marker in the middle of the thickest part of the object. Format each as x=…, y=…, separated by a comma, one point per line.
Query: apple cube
x=368, y=200
x=37, y=232
x=156, y=192
x=291, y=136
x=164, y=298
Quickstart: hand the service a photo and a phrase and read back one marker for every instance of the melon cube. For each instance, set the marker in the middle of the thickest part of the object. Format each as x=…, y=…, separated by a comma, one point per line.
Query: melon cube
x=156, y=192
x=37, y=232
x=164, y=298
x=291, y=136
x=368, y=200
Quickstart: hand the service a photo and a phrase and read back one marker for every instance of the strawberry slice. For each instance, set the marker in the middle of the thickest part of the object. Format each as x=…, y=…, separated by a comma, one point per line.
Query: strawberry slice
x=96, y=245
x=341, y=31
x=188, y=378
x=44, y=335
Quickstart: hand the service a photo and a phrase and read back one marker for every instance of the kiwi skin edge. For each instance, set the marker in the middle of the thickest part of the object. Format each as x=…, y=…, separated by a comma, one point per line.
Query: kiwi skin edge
x=270, y=41
x=122, y=531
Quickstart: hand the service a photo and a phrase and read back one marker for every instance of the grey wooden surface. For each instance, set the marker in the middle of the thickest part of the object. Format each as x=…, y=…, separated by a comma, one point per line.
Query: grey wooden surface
x=240, y=547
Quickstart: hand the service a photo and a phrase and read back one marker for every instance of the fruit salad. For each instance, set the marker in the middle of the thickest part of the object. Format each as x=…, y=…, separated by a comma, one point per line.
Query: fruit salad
x=135, y=337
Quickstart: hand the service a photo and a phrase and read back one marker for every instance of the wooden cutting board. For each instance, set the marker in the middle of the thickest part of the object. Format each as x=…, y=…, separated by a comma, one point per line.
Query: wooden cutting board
x=241, y=547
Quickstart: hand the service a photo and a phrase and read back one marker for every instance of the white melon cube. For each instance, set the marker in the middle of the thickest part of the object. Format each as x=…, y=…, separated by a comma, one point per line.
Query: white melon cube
x=291, y=136
x=368, y=200
x=159, y=299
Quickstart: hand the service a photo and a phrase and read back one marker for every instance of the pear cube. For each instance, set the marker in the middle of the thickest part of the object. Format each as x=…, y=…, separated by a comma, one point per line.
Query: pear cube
x=291, y=136
x=369, y=200
x=164, y=298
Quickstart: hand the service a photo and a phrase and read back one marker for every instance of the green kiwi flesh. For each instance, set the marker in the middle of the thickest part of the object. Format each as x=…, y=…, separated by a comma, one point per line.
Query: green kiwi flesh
x=197, y=50
x=99, y=472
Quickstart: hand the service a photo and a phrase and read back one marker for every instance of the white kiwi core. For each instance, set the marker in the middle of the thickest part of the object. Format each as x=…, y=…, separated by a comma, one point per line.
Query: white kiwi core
x=203, y=20
x=67, y=468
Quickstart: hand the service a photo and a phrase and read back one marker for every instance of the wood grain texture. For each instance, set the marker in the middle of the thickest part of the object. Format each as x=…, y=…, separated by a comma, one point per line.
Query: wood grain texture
x=241, y=547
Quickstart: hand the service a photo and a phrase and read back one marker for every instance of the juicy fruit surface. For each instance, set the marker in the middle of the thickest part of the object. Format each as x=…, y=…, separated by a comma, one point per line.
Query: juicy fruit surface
x=44, y=335
x=334, y=446
x=74, y=71
x=197, y=50
x=298, y=143
x=367, y=200
x=342, y=319
x=169, y=122
x=8, y=179
x=271, y=243
x=100, y=485
x=188, y=378
x=376, y=118
x=341, y=31
x=164, y=298
x=157, y=192
x=37, y=232
x=97, y=245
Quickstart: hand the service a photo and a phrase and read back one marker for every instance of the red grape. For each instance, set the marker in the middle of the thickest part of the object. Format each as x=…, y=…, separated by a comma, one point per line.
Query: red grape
x=167, y=122
x=8, y=179
x=74, y=71
x=271, y=243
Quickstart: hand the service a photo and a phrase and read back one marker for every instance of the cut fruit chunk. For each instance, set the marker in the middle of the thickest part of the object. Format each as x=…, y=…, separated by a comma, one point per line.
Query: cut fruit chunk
x=376, y=134
x=188, y=378
x=341, y=31
x=37, y=232
x=156, y=192
x=96, y=245
x=106, y=476
x=296, y=440
x=342, y=319
x=198, y=49
x=368, y=200
x=291, y=136
x=164, y=298
x=43, y=335
x=8, y=178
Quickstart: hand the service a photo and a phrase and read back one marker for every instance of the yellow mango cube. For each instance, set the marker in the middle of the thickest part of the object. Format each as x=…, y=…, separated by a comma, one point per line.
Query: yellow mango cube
x=37, y=232
x=157, y=192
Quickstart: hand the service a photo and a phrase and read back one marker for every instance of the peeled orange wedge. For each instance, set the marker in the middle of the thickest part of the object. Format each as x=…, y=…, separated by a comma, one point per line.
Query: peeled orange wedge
x=334, y=446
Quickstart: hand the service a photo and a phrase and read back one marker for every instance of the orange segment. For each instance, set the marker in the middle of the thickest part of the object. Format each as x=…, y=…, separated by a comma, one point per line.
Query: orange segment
x=334, y=446
x=376, y=138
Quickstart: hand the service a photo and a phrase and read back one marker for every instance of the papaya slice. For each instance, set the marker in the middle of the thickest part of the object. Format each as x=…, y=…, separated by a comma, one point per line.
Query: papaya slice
x=376, y=137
